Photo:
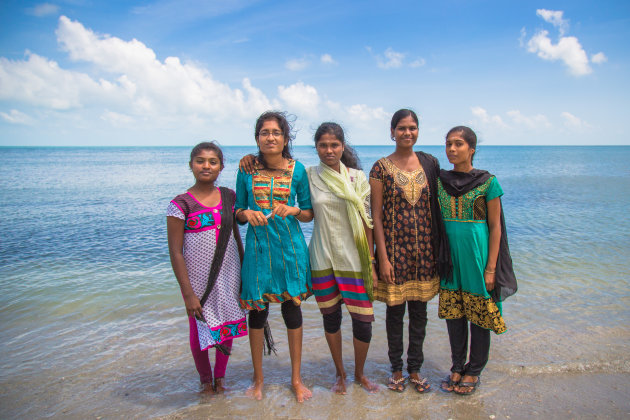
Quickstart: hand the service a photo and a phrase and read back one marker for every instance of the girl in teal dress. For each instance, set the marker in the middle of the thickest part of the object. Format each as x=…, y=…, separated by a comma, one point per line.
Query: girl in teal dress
x=482, y=267
x=273, y=200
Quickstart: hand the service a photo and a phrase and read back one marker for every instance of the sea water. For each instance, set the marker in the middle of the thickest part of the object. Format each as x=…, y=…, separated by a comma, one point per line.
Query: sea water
x=93, y=324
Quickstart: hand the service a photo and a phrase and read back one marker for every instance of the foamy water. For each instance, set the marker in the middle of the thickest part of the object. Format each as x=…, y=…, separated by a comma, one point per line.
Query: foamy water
x=93, y=324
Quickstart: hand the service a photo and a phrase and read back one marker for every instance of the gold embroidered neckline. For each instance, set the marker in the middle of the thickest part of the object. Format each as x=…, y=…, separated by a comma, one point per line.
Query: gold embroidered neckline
x=411, y=183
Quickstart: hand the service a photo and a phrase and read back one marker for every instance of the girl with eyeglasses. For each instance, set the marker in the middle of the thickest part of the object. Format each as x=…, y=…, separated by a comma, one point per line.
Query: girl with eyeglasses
x=273, y=200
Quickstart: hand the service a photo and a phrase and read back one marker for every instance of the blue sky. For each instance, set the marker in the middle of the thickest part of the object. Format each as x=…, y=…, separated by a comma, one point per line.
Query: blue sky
x=80, y=72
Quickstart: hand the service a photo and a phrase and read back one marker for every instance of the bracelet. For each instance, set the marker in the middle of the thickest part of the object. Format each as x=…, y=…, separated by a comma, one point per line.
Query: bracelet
x=373, y=260
x=299, y=212
x=490, y=271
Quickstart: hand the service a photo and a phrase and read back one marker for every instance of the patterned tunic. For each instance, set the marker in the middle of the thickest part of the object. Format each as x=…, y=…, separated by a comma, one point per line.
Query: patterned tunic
x=276, y=265
x=465, y=219
x=407, y=229
x=335, y=263
x=226, y=320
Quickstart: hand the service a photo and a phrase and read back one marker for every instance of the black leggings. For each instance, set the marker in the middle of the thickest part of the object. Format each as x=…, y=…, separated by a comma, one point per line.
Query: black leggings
x=291, y=313
x=361, y=330
x=479, y=346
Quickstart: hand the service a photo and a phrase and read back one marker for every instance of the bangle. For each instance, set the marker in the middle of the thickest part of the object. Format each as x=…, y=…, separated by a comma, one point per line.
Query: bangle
x=373, y=260
x=490, y=271
x=299, y=212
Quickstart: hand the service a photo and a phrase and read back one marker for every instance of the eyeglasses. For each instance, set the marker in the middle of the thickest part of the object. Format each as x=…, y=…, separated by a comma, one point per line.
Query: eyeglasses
x=274, y=133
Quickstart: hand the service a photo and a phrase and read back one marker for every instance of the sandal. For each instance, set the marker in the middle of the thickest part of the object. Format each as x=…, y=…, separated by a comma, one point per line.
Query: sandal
x=472, y=385
x=421, y=385
x=448, y=382
x=396, y=385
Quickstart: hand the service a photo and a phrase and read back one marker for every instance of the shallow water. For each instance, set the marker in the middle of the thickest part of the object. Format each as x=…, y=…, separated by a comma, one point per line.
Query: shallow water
x=93, y=324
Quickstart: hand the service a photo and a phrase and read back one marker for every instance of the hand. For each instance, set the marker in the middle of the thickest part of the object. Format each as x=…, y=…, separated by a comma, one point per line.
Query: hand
x=374, y=277
x=489, y=279
x=255, y=218
x=248, y=163
x=193, y=306
x=283, y=211
x=386, y=271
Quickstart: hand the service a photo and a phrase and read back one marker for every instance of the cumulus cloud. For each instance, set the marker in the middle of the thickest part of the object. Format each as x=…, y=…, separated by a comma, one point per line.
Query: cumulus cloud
x=599, y=58
x=16, y=117
x=43, y=9
x=533, y=122
x=555, y=17
x=513, y=119
x=573, y=122
x=418, y=63
x=300, y=97
x=485, y=118
x=296, y=64
x=568, y=48
x=393, y=59
x=127, y=86
x=327, y=59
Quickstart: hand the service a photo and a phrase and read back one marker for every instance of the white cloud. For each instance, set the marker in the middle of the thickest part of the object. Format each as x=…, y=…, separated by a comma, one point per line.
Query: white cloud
x=16, y=117
x=418, y=63
x=362, y=112
x=485, y=118
x=568, y=48
x=393, y=60
x=555, y=17
x=533, y=122
x=296, y=64
x=599, y=58
x=116, y=119
x=300, y=97
x=327, y=59
x=573, y=122
x=43, y=9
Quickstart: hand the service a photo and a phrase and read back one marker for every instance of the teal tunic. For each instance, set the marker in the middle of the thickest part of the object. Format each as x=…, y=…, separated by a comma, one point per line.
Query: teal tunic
x=276, y=266
x=465, y=220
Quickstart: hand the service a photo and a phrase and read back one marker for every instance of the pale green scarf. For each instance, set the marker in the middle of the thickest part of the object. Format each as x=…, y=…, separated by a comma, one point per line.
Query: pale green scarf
x=355, y=194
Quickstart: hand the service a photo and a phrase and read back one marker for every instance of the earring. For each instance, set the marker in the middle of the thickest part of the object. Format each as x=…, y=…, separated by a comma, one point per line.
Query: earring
x=393, y=138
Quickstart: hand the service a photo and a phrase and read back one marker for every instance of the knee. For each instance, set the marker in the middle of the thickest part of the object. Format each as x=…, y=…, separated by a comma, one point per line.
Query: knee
x=292, y=315
x=362, y=330
x=332, y=321
x=257, y=319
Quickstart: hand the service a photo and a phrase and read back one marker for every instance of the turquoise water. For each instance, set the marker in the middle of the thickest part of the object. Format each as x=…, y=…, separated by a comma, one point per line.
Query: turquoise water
x=89, y=305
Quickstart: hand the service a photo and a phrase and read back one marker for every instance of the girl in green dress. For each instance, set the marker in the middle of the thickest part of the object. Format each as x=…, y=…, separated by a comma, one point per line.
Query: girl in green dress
x=273, y=200
x=482, y=268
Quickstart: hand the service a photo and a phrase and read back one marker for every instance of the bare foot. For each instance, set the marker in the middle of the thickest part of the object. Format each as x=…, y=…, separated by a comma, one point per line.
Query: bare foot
x=207, y=388
x=219, y=386
x=366, y=384
x=255, y=390
x=302, y=393
x=340, y=385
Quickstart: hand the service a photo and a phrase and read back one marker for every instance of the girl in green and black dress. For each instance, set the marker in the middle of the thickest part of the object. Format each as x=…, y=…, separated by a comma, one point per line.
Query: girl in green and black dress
x=482, y=268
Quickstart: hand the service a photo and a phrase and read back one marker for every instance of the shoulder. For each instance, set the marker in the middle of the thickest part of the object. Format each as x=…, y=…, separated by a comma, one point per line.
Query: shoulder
x=356, y=174
x=299, y=166
x=428, y=159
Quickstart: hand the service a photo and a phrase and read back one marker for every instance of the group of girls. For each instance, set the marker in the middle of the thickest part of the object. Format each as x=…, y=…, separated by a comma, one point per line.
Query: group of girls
x=408, y=233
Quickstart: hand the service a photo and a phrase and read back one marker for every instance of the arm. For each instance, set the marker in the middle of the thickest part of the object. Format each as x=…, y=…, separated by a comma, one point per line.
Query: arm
x=304, y=210
x=370, y=240
x=494, y=231
x=244, y=215
x=175, y=229
x=247, y=164
x=283, y=211
x=386, y=271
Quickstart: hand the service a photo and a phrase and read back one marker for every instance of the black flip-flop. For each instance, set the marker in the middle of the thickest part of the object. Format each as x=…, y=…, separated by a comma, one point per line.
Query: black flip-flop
x=449, y=383
x=472, y=385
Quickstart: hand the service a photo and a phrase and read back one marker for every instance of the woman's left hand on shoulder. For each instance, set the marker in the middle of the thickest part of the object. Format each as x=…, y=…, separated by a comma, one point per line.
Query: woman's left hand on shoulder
x=283, y=211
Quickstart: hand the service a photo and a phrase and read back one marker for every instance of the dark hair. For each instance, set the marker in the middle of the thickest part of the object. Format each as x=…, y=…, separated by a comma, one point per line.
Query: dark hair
x=349, y=156
x=403, y=113
x=468, y=135
x=285, y=126
x=207, y=145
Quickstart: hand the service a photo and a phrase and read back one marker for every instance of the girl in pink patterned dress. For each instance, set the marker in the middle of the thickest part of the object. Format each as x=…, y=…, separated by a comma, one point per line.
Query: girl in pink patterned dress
x=201, y=225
